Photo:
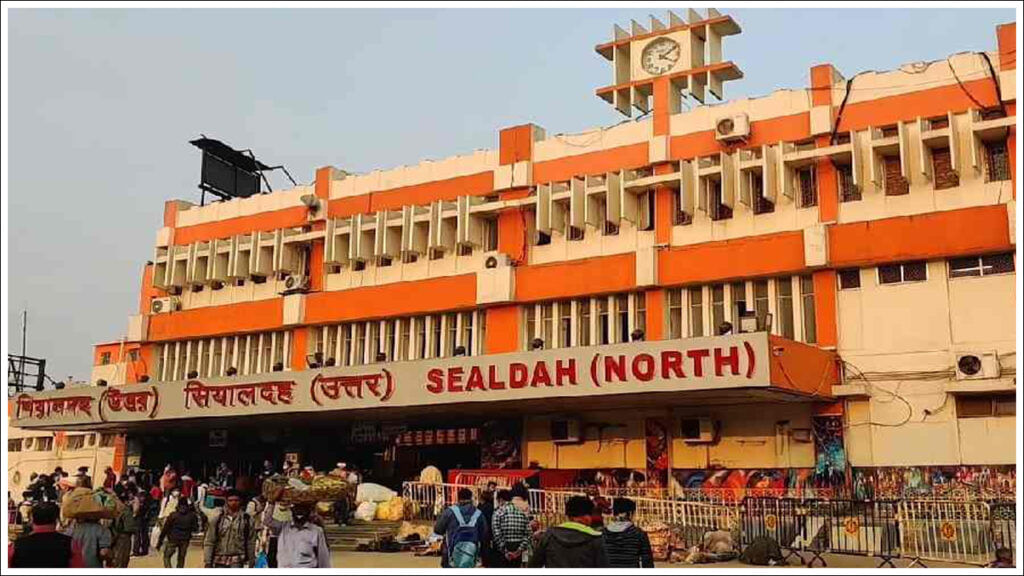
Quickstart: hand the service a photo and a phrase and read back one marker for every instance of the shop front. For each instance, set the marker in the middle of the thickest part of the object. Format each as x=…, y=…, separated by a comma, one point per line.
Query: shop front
x=628, y=414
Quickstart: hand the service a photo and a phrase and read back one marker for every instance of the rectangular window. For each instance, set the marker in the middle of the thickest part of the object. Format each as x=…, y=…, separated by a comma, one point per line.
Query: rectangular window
x=14, y=445
x=987, y=406
x=895, y=183
x=981, y=265
x=76, y=442
x=679, y=217
x=104, y=358
x=848, y=191
x=43, y=444
x=254, y=353
x=217, y=359
x=481, y=329
x=904, y=272
x=565, y=324
x=849, y=279
x=421, y=337
x=717, y=307
x=944, y=175
x=107, y=440
x=346, y=345
x=358, y=344
x=467, y=332
x=761, y=205
x=718, y=211
x=438, y=336
x=737, y=302
x=645, y=211
x=267, y=343
x=453, y=330
x=997, y=163
x=603, y=321
x=808, y=184
x=622, y=310
x=547, y=319
x=675, y=314
x=640, y=319
x=761, y=302
x=404, y=333
x=531, y=324
x=696, y=311
x=330, y=348
x=784, y=307
x=490, y=235
x=807, y=303
x=583, y=307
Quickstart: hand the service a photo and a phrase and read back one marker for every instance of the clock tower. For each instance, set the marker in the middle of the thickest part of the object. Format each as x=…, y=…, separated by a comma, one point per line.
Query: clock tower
x=656, y=67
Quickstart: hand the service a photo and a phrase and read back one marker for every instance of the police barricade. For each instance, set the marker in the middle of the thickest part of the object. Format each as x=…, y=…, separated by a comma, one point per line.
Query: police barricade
x=863, y=528
x=429, y=500
x=548, y=506
x=946, y=531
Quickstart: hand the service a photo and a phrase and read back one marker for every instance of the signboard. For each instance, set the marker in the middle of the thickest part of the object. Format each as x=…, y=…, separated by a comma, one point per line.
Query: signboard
x=716, y=363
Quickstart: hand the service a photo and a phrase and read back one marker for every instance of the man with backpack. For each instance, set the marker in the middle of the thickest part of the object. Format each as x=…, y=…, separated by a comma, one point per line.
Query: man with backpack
x=464, y=530
x=230, y=539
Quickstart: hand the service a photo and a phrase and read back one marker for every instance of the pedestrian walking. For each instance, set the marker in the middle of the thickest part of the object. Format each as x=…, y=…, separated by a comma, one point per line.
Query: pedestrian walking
x=178, y=529
x=571, y=544
x=512, y=532
x=45, y=547
x=94, y=540
x=301, y=543
x=122, y=529
x=141, y=510
x=626, y=545
x=464, y=532
x=230, y=539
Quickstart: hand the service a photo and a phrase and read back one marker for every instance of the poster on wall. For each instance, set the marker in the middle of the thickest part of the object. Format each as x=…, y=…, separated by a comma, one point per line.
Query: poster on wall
x=501, y=444
x=891, y=482
x=656, y=435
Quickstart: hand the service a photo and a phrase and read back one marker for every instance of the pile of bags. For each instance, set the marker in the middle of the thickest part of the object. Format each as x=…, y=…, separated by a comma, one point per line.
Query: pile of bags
x=89, y=504
x=376, y=502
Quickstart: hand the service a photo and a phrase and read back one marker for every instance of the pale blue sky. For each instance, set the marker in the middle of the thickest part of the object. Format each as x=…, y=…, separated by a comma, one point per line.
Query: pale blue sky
x=103, y=102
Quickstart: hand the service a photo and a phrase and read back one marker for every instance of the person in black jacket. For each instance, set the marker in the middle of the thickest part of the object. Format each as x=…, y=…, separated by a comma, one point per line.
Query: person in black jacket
x=178, y=528
x=45, y=547
x=627, y=545
x=572, y=544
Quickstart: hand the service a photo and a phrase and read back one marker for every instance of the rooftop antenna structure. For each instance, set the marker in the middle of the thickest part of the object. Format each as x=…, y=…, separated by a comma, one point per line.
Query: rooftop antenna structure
x=25, y=373
x=671, y=59
x=228, y=173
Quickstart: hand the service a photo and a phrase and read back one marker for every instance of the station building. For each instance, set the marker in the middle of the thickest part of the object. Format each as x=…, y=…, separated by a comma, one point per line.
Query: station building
x=809, y=290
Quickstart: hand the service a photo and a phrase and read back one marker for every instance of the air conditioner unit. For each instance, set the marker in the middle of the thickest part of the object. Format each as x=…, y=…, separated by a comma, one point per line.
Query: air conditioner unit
x=698, y=430
x=565, y=431
x=977, y=365
x=296, y=283
x=732, y=128
x=164, y=305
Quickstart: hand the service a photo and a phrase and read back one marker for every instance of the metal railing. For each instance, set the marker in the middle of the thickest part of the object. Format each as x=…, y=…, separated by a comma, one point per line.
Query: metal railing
x=947, y=531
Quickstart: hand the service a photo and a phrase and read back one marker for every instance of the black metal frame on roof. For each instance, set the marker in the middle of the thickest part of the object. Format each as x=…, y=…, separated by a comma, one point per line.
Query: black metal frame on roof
x=241, y=160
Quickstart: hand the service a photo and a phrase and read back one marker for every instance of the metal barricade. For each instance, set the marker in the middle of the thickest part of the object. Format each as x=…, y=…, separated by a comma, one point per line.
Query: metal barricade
x=947, y=531
x=548, y=506
x=1003, y=518
x=429, y=500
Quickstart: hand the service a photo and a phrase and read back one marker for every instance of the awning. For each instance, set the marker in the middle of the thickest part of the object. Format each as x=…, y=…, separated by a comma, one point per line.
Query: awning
x=749, y=367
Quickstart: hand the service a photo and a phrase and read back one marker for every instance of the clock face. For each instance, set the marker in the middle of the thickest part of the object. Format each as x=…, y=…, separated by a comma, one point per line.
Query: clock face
x=660, y=55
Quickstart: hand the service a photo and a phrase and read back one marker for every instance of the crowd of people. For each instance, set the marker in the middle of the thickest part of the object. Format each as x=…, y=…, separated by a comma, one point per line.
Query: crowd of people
x=500, y=532
x=165, y=513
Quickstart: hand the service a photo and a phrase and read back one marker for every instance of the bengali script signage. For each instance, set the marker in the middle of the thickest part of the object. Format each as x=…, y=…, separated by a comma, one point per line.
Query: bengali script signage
x=738, y=361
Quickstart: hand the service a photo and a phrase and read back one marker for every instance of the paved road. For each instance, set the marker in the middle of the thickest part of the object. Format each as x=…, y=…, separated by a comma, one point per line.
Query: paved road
x=407, y=560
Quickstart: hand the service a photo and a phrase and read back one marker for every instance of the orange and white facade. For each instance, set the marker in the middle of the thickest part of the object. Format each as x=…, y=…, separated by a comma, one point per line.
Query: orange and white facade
x=867, y=222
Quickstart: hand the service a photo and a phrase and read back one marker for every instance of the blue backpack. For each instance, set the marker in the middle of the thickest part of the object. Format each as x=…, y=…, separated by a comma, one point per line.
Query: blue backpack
x=464, y=546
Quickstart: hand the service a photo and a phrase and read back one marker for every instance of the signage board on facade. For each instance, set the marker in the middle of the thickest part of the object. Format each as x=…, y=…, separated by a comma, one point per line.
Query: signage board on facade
x=724, y=362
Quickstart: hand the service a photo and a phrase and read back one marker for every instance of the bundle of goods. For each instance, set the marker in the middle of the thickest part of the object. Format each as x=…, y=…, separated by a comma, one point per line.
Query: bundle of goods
x=393, y=510
x=660, y=536
x=88, y=504
x=414, y=532
x=365, y=511
x=293, y=490
x=368, y=492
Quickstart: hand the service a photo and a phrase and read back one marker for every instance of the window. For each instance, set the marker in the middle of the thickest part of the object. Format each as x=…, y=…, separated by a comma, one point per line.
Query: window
x=718, y=211
x=696, y=311
x=986, y=406
x=675, y=314
x=330, y=349
x=490, y=235
x=267, y=352
x=849, y=279
x=531, y=324
x=645, y=211
x=76, y=442
x=761, y=204
x=981, y=265
x=808, y=183
x=761, y=301
x=576, y=234
x=254, y=353
x=611, y=228
x=421, y=337
x=679, y=217
x=640, y=319
x=717, y=307
x=404, y=334
x=543, y=239
x=622, y=314
x=453, y=331
x=807, y=303
x=14, y=445
x=997, y=166
x=584, y=319
x=890, y=131
x=104, y=358
x=905, y=272
x=359, y=343
x=107, y=440
x=43, y=444
x=547, y=319
x=895, y=183
x=467, y=332
x=784, y=306
x=603, y=322
x=564, y=324
x=481, y=331
x=848, y=191
x=944, y=174
x=218, y=357
x=737, y=301
x=346, y=345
